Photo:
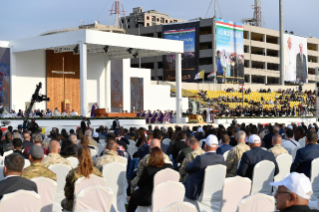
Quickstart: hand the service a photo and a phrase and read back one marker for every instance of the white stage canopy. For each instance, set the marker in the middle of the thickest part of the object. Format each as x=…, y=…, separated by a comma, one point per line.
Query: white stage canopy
x=112, y=45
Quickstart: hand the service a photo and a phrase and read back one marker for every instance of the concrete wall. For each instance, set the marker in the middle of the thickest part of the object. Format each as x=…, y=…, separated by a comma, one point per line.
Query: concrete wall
x=155, y=96
x=30, y=70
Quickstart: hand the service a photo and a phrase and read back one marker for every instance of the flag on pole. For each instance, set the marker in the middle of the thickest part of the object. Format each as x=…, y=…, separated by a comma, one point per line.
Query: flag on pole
x=242, y=86
x=211, y=75
x=200, y=75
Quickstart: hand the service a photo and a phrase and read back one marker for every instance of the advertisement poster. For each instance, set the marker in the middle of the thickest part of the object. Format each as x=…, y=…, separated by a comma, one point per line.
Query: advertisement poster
x=117, y=85
x=229, y=52
x=189, y=34
x=137, y=94
x=5, y=77
x=295, y=57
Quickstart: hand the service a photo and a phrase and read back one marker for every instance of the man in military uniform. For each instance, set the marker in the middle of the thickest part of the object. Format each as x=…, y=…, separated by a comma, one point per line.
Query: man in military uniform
x=276, y=142
x=36, y=169
x=54, y=157
x=196, y=151
x=144, y=162
x=110, y=155
x=236, y=153
x=182, y=154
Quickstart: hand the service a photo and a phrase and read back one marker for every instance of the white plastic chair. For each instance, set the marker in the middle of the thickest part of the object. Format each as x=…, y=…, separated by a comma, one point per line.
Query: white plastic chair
x=26, y=163
x=179, y=207
x=61, y=171
x=83, y=183
x=1, y=160
x=302, y=142
x=93, y=154
x=234, y=190
x=166, y=141
x=263, y=174
x=257, y=202
x=1, y=173
x=98, y=198
x=46, y=189
x=21, y=200
x=115, y=175
x=211, y=195
x=225, y=155
x=294, y=152
x=284, y=162
x=166, y=175
x=314, y=178
x=166, y=194
x=73, y=161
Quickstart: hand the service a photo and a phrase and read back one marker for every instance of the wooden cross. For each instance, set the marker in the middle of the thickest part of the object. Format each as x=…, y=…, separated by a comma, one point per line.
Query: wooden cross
x=63, y=73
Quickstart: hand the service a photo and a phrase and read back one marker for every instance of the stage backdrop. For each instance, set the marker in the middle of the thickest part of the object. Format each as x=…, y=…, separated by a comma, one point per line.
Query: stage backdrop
x=230, y=52
x=189, y=33
x=5, y=77
x=137, y=94
x=296, y=63
x=116, y=85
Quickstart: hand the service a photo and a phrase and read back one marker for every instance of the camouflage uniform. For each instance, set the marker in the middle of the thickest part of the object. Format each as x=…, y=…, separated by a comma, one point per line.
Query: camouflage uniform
x=277, y=150
x=36, y=169
x=55, y=158
x=67, y=202
x=189, y=158
x=233, y=157
x=108, y=157
x=143, y=163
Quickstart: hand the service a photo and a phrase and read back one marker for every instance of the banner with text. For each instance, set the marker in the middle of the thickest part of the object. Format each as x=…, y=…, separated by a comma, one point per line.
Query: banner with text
x=295, y=59
x=189, y=33
x=229, y=52
x=5, y=77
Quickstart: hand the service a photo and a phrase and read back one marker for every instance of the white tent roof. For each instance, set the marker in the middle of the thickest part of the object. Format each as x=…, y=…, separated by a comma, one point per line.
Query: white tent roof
x=117, y=44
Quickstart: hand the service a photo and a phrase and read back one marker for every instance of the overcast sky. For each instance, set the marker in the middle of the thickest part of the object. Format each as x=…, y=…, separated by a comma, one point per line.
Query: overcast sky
x=24, y=18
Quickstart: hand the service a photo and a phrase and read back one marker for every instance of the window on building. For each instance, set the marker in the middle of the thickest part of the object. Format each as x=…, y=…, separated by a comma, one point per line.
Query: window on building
x=247, y=78
x=159, y=34
x=258, y=51
x=157, y=19
x=311, y=71
x=272, y=53
x=136, y=25
x=312, y=47
x=272, y=66
x=257, y=37
x=175, y=21
x=171, y=21
x=258, y=79
x=312, y=59
x=272, y=80
x=162, y=20
x=147, y=24
x=247, y=64
x=147, y=65
x=272, y=39
x=205, y=30
x=246, y=49
x=129, y=26
x=128, y=20
x=205, y=61
x=166, y=21
x=246, y=35
x=159, y=65
x=257, y=65
x=147, y=18
x=153, y=18
x=207, y=45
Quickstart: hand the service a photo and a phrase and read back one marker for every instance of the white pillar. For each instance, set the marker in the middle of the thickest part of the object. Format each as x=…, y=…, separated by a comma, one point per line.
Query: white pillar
x=178, y=74
x=83, y=79
x=107, y=85
x=12, y=75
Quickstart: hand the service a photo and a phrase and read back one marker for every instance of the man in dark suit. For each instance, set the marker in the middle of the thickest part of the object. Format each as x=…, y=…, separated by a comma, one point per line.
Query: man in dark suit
x=17, y=147
x=301, y=66
x=196, y=169
x=268, y=137
x=13, y=166
x=225, y=145
x=26, y=139
x=305, y=155
x=116, y=123
x=83, y=125
x=250, y=158
x=179, y=144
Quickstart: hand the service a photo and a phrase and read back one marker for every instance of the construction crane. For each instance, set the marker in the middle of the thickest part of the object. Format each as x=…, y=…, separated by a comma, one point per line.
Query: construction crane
x=258, y=19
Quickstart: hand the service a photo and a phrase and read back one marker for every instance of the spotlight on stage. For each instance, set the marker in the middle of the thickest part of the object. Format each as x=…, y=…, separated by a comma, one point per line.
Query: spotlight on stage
x=76, y=49
x=135, y=55
x=106, y=49
x=130, y=50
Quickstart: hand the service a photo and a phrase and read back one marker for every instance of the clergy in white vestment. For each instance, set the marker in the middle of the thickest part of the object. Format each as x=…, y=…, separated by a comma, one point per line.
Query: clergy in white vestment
x=290, y=62
x=64, y=113
x=56, y=112
x=73, y=113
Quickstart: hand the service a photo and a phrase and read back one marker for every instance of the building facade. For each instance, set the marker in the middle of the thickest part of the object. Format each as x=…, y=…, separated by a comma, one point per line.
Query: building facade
x=146, y=19
x=261, y=49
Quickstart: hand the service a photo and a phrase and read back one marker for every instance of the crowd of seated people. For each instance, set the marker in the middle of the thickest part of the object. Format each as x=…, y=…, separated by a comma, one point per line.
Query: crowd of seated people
x=189, y=151
x=157, y=116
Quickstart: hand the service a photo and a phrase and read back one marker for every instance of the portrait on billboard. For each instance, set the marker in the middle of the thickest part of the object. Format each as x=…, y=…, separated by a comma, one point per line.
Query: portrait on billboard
x=295, y=56
x=230, y=52
x=5, y=77
x=137, y=94
x=188, y=33
x=117, y=85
